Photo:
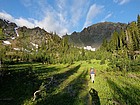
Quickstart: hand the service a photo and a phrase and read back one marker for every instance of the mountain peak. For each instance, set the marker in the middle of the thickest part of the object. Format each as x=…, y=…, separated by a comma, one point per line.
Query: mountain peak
x=94, y=34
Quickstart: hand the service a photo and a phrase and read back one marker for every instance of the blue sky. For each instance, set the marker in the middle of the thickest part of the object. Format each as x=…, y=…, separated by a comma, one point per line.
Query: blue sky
x=67, y=16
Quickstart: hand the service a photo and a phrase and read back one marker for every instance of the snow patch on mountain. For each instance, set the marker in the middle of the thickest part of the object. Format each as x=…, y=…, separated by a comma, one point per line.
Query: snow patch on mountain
x=16, y=31
x=36, y=46
x=13, y=38
x=6, y=42
x=17, y=49
x=89, y=48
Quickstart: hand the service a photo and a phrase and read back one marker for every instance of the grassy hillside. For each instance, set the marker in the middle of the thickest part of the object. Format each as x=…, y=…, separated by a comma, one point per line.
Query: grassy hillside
x=70, y=85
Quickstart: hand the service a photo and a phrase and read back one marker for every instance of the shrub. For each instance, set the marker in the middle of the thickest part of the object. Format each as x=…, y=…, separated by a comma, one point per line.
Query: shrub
x=102, y=61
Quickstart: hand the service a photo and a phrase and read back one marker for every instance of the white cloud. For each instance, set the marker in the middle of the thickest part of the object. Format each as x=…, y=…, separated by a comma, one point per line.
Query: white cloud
x=61, y=17
x=20, y=21
x=24, y=22
x=121, y=2
x=48, y=23
x=26, y=3
x=53, y=24
x=94, y=10
x=72, y=12
x=53, y=18
x=77, y=10
x=6, y=16
x=106, y=17
x=61, y=4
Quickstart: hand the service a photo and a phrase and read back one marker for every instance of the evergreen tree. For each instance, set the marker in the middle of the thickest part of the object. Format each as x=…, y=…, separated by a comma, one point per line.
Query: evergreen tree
x=135, y=36
x=104, y=44
x=129, y=40
x=138, y=23
x=114, y=43
x=122, y=39
x=2, y=48
x=132, y=37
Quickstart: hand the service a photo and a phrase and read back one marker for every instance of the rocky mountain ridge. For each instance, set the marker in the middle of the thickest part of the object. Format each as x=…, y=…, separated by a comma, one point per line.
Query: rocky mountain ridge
x=17, y=37
x=11, y=29
x=94, y=34
x=90, y=36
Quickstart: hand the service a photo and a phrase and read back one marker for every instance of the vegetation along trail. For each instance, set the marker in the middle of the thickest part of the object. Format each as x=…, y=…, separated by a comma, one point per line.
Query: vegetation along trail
x=64, y=84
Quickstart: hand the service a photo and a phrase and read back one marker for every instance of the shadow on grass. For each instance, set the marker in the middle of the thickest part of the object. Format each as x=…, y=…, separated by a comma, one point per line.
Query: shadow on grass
x=18, y=83
x=17, y=86
x=70, y=95
x=124, y=96
x=60, y=77
x=132, y=91
x=41, y=70
x=66, y=74
x=95, y=97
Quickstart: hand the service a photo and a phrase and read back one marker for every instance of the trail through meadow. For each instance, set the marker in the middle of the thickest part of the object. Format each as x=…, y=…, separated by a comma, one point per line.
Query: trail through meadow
x=70, y=85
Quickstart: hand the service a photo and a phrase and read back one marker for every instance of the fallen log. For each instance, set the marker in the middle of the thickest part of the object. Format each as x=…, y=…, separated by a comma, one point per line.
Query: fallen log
x=35, y=94
x=38, y=91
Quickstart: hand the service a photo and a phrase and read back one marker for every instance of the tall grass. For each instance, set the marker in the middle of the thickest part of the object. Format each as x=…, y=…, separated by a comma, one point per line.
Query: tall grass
x=71, y=85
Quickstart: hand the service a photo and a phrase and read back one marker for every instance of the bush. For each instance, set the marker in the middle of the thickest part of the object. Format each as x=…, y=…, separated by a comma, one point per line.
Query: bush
x=102, y=61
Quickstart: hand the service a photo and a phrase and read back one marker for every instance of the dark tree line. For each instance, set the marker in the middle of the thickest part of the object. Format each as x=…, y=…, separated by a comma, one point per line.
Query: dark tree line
x=124, y=47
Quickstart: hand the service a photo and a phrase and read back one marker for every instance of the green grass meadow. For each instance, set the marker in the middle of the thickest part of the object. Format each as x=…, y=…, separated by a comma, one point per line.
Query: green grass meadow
x=71, y=85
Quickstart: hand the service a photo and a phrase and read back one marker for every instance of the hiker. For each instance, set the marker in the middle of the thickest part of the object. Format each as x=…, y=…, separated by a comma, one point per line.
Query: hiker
x=92, y=74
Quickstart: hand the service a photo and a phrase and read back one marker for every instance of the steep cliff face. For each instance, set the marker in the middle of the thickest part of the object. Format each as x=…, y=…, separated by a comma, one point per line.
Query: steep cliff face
x=8, y=27
x=94, y=35
x=90, y=36
x=19, y=37
x=11, y=29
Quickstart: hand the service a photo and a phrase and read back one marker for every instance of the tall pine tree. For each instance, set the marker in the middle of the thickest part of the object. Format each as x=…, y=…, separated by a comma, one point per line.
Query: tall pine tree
x=138, y=23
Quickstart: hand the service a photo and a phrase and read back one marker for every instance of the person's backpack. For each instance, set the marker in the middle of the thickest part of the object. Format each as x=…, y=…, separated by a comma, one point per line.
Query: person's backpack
x=92, y=71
